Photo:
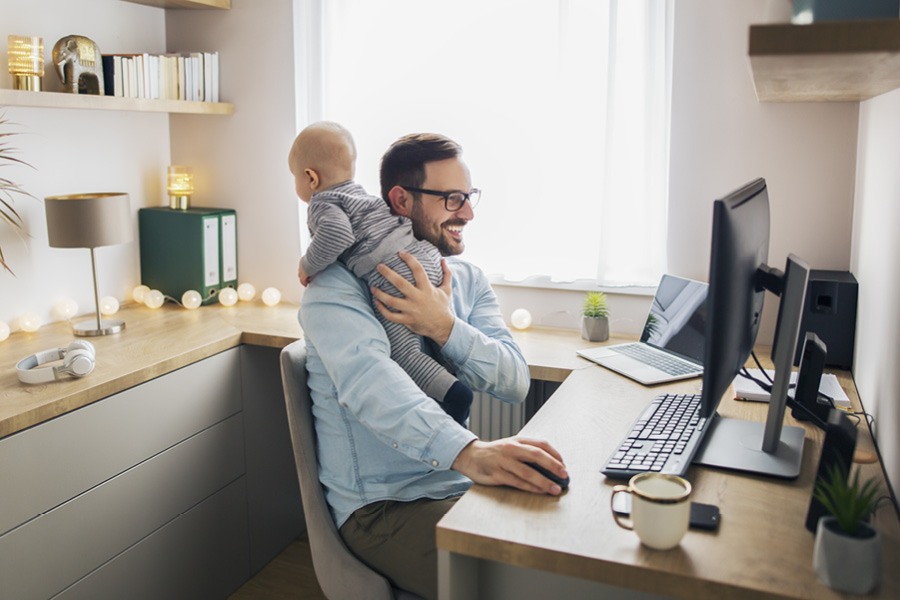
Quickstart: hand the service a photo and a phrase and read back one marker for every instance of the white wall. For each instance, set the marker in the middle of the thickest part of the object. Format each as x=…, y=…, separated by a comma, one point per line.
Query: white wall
x=723, y=137
x=241, y=160
x=76, y=151
x=875, y=263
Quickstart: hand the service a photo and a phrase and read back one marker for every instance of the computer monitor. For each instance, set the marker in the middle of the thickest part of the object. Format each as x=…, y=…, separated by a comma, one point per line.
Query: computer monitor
x=738, y=280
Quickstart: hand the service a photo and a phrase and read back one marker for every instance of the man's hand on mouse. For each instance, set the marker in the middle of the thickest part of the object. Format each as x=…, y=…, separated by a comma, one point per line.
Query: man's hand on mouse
x=502, y=462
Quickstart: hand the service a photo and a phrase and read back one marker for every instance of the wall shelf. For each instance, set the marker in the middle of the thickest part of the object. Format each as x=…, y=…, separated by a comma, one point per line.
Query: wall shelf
x=89, y=102
x=223, y=4
x=831, y=61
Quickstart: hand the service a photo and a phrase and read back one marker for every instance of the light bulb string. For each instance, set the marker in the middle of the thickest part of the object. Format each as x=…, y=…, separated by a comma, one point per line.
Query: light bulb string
x=171, y=299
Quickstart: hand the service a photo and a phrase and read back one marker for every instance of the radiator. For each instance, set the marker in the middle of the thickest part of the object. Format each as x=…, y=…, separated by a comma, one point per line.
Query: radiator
x=491, y=419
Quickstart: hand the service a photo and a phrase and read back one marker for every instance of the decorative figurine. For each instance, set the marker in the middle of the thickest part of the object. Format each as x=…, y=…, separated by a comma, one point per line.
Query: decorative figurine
x=79, y=65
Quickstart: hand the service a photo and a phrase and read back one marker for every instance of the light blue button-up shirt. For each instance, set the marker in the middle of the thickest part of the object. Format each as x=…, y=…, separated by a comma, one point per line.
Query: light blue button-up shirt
x=378, y=436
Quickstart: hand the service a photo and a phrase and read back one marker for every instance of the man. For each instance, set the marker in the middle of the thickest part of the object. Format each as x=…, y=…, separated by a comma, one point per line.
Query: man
x=392, y=462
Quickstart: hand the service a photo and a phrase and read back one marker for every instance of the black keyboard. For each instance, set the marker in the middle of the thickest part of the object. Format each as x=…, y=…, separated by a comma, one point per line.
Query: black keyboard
x=663, y=439
x=660, y=360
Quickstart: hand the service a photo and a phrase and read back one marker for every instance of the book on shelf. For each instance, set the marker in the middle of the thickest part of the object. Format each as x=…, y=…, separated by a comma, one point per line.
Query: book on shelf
x=190, y=76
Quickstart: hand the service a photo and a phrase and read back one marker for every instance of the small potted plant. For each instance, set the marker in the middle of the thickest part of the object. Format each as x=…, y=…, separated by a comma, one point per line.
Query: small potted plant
x=595, y=317
x=847, y=553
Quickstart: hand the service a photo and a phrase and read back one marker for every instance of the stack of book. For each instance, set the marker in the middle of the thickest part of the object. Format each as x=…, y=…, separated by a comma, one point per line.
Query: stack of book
x=190, y=76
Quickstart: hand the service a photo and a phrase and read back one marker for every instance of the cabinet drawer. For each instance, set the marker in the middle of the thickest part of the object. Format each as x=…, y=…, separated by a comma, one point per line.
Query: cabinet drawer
x=46, y=465
x=200, y=555
x=52, y=551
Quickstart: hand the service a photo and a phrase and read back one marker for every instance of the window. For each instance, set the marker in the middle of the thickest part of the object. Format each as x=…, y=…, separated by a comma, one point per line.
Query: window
x=561, y=107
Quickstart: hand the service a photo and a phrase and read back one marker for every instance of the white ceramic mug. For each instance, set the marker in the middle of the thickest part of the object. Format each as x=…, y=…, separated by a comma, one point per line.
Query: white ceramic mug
x=660, y=508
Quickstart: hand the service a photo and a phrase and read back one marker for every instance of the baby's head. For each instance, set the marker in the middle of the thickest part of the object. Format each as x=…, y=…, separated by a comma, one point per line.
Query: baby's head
x=323, y=155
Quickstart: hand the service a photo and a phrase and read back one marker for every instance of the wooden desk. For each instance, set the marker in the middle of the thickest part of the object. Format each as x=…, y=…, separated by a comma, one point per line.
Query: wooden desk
x=761, y=548
x=156, y=342
x=570, y=546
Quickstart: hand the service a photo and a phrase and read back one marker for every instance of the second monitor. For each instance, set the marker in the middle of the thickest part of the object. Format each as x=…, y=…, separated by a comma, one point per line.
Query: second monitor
x=738, y=279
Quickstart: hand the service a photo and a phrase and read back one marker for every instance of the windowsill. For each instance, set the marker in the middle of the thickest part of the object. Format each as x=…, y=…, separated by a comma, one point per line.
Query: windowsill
x=579, y=285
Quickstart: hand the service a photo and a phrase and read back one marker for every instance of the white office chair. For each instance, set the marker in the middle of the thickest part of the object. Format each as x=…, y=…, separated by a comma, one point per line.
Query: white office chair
x=341, y=575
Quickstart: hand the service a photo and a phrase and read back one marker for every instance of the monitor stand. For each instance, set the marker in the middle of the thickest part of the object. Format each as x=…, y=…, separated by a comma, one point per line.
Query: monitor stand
x=737, y=444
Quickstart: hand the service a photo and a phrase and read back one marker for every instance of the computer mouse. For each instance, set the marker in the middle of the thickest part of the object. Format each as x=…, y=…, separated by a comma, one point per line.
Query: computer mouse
x=563, y=483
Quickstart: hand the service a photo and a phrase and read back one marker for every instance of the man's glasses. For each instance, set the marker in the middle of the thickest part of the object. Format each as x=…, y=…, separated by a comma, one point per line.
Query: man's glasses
x=453, y=201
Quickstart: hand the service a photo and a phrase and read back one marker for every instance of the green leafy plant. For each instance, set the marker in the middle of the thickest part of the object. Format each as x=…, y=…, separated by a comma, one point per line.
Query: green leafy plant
x=8, y=189
x=848, y=500
x=595, y=305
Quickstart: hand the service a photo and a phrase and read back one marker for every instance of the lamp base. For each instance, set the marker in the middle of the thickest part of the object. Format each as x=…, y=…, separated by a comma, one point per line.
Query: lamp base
x=179, y=202
x=107, y=327
x=27, y=82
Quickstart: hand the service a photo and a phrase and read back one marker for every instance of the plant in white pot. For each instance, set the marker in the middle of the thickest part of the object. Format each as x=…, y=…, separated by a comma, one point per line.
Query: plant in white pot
x=595, y=317
x=847, y=553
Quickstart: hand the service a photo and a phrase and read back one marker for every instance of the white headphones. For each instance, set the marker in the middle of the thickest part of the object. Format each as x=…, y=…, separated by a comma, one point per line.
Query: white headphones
x=77, y=357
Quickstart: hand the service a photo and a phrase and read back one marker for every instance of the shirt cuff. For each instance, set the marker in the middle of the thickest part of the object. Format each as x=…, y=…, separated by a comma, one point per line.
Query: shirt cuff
x=446, y=445
x=460, y=343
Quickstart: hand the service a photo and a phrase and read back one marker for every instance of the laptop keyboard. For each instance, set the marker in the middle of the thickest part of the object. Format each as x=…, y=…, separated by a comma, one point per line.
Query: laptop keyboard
x=663, y=439
x=660, y=360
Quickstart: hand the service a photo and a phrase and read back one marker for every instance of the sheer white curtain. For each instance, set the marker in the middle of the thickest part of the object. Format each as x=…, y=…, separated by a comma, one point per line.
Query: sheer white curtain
x=561, y=107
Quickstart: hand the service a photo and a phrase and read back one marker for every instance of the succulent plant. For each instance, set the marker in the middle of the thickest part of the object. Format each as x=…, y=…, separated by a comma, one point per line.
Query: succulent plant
x=595, y=305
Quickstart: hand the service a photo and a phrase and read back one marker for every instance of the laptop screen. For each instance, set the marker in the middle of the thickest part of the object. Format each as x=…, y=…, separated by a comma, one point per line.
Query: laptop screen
x=677, y=319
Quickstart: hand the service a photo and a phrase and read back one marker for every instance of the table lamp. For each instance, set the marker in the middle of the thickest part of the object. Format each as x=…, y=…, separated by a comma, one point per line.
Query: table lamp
x=90, y=221
x=180, y=186
x=26, y=61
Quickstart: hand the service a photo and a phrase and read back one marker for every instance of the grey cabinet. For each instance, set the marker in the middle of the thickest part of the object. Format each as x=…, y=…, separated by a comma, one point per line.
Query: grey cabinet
x=176, y=488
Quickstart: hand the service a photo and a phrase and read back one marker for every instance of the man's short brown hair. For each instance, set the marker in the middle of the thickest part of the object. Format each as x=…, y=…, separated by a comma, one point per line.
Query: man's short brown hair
x=404, y=162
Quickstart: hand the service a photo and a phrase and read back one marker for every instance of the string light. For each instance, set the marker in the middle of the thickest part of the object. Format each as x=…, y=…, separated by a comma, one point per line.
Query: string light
x=521, y=318
x=30, y=322
x=228, y=297
x=271, y=296
x=65, y=309
x=139, y=292
x=109, y=305
x=154, y=299
x=191, y=299
x=246, y=292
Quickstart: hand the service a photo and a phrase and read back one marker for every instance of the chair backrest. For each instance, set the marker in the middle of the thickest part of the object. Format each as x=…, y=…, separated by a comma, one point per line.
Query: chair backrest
x=340, y=573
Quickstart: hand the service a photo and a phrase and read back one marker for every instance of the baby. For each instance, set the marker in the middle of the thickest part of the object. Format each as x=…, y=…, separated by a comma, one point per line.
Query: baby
x=349, y=225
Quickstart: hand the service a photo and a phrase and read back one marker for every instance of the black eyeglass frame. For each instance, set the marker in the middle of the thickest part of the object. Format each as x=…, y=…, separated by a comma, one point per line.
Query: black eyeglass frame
x=467, y=197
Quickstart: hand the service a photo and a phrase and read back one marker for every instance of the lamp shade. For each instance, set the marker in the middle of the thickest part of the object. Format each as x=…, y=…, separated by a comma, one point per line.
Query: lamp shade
x=88, y=220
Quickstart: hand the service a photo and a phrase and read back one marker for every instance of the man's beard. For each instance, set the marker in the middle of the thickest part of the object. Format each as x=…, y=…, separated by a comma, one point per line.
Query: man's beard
x=422, y=231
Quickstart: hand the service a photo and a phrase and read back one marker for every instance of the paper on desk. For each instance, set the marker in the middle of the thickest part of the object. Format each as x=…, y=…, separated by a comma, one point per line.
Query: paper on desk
x=744, y=389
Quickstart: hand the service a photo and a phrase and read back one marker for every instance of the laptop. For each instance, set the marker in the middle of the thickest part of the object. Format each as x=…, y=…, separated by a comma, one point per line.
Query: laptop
x=672, y=343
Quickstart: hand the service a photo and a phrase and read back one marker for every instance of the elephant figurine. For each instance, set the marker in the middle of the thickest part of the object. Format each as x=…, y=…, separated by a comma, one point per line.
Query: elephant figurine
x=79, y=65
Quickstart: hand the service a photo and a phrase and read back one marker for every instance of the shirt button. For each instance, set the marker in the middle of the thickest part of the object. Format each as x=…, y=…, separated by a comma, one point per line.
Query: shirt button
x=434, y=463
x=395, y=444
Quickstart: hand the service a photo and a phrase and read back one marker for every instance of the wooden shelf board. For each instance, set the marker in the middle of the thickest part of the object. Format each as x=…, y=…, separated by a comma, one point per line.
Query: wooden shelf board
x=835, y=61
x=223, y=4
x=88, y=102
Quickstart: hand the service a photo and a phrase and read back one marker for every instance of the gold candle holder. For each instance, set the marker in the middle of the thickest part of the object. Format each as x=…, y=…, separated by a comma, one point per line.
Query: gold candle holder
x=26, y=61
x=180, y=187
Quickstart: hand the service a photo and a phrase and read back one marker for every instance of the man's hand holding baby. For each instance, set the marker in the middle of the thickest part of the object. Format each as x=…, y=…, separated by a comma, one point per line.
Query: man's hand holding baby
x=423, y=308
